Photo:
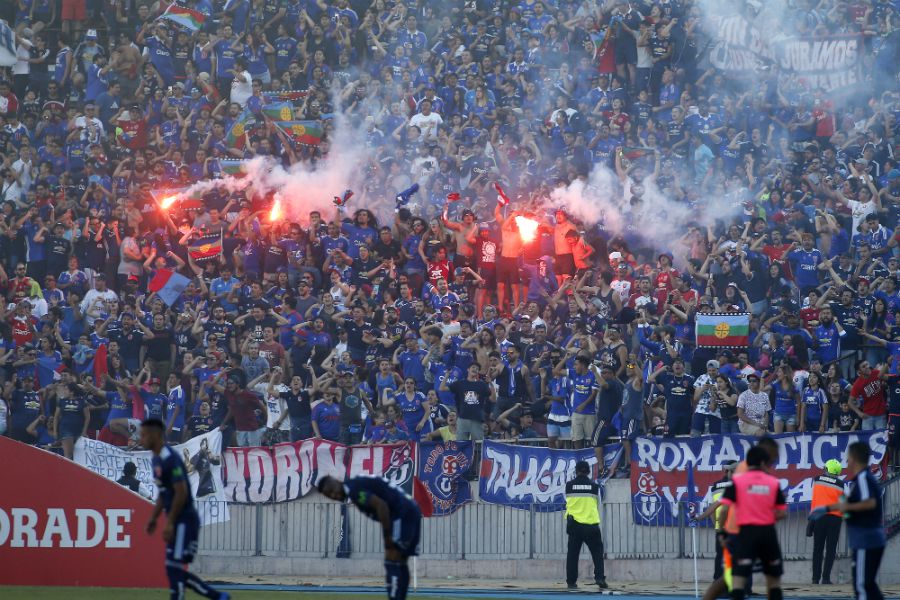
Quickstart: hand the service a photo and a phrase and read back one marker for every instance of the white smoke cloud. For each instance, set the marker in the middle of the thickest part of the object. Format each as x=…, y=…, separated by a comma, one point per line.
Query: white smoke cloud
x=305, y=186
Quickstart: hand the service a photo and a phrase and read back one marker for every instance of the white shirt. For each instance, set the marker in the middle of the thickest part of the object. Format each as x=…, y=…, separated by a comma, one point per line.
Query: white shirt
x=241, y=88
x=427, y=124
x=24, y=170
x=22, y=66
x=276, y=405
x=91, y=297
x=860, y=210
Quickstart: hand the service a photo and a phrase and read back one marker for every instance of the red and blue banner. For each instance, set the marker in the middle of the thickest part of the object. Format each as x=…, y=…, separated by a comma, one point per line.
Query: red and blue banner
x=519, y=476
x=664, y=469
x=441, y=470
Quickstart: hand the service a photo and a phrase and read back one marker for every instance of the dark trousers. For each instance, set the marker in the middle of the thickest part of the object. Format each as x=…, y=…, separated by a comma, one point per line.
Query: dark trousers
x=826, y=532
x=583, y=534
x=718, y=566
x=865, y=571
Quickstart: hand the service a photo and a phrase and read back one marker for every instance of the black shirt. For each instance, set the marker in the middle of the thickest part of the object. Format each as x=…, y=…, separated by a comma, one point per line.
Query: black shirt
x=471, y=398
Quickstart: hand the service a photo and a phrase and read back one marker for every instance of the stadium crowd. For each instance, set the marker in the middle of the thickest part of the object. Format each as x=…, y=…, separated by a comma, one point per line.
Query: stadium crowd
x=455, y=315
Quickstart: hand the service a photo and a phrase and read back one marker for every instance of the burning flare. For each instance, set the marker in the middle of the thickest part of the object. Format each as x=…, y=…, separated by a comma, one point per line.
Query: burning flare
x=168, y=201
x=527, y=228
x=277, y=212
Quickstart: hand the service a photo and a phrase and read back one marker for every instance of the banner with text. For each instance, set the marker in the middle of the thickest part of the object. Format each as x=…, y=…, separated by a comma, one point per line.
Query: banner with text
x=830, y=62
x=519, y=476
x=63, y=525
x=285, y=472
x=659, y=467
x=202, y=457
x=441, y=469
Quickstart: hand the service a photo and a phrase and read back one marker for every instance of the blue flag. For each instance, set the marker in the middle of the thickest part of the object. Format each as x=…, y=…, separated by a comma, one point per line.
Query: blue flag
x=7, y=46
x=691, y=502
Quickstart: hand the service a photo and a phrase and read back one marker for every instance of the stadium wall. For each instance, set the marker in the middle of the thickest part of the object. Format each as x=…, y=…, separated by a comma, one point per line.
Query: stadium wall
x=484, y=541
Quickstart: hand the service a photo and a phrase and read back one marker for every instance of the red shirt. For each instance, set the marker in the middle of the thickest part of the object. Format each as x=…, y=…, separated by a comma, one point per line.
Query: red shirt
x=22, y=329
x=438, y=270
x=243, y=406
x=757, y=496
x=871, y=391
x=777, y=253
x=664, y=279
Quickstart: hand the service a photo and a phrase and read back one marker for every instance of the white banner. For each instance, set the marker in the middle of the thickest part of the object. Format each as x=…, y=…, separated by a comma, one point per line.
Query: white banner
x=202, y=457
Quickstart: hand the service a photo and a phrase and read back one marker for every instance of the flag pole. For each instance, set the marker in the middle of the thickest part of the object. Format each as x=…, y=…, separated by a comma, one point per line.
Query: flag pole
x=694, y=551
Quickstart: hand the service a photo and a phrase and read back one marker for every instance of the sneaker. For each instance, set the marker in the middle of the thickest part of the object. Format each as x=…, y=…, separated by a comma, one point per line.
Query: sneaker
x=572, y=587
x=827, y=582
x=602, y=584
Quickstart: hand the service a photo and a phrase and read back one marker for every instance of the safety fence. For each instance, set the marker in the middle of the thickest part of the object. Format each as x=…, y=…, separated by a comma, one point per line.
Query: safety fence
x=315, y=529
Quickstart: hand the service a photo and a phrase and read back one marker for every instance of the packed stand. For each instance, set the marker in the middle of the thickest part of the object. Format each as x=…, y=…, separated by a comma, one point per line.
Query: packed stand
x=456, y=316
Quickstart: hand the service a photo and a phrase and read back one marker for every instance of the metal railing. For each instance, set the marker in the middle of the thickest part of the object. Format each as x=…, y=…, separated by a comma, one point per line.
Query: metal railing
x=313, y=529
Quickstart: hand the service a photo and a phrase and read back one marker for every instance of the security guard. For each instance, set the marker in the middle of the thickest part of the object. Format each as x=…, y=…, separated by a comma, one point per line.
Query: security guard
x=827, y=488
x=583, y=524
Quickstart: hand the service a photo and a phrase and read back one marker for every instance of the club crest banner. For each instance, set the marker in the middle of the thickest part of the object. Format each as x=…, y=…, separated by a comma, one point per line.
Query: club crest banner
x=441, y=469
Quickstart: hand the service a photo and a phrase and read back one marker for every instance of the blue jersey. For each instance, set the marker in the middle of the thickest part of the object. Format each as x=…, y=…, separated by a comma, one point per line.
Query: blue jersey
x=411, y=366
x=582, y=386
x=358, y=236
x=784, y=399
x=360, y=489
x=175, y=401
x=413, y=412
x=865, y=529
x=169, y=469
x=154, y=404
x=560, y=411
x=805, y=266
x=829, y=343
x=161, y=57
x=119, y=407
x=814, y=400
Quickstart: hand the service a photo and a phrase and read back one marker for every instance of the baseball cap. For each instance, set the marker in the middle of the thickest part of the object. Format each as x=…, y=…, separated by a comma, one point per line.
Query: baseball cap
x=712, y=363
x=91, y=34
x=833, y=467
x=154, y=380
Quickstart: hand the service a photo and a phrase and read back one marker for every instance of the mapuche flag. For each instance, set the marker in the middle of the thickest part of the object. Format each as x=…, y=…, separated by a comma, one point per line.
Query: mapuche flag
x=306, y=133
x=234, y=137
x=206, y=247
x=186, y=17
x=722, y=330
x=279, y=111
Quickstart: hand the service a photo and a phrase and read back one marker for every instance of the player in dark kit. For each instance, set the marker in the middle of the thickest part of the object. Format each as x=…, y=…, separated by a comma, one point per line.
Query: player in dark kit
x=399, y=517
x=182, y=521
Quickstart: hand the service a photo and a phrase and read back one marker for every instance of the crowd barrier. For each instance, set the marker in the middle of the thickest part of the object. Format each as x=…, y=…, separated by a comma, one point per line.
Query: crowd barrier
x=315, y=529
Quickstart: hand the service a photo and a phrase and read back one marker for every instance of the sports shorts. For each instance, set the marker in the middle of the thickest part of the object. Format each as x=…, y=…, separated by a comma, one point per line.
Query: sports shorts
x=183, y=546
x=757, y=542
x=405, y=533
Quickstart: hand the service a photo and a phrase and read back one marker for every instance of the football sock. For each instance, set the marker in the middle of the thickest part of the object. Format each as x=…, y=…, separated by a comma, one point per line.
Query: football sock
x=176, y=575
x=393, y=576
x=404, y=582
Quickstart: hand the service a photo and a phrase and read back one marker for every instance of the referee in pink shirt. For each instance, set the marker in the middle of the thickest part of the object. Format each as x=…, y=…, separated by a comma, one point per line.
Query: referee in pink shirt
x=759, y=502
